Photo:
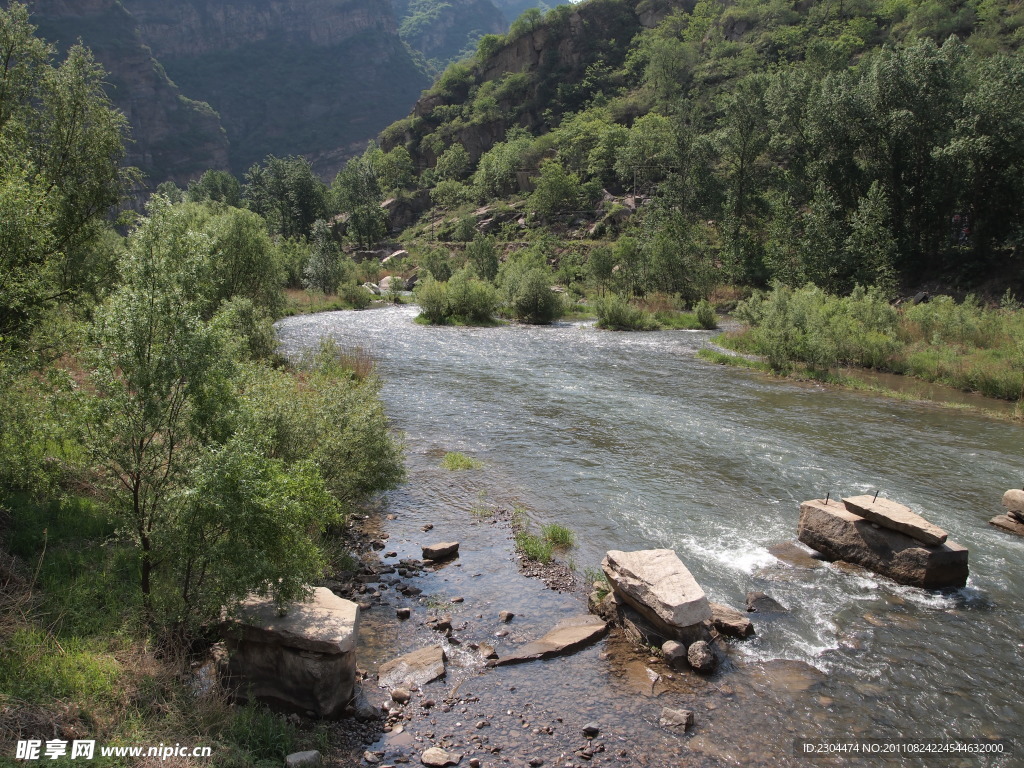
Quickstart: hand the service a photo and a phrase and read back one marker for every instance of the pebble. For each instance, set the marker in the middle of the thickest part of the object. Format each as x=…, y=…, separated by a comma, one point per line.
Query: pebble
x=590, y=730
x=403, y=613
x=458, y=599
x=506, y=616
x=427, y=527
x=401, y=695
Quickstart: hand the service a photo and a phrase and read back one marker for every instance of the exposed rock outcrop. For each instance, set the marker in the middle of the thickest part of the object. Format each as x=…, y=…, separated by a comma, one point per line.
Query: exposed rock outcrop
x=839, y=534
x=312, y=77
x=302, y=661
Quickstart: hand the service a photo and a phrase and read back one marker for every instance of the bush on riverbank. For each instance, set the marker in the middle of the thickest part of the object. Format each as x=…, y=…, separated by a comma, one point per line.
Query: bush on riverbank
x=965, y=345
x=463, y=300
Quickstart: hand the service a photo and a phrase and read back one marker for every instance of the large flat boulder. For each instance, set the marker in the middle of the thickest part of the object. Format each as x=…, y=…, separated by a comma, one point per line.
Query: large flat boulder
x=413, y=669
x=839, y=534
x=1008, y=523
x=659, y=587
x=303, y=660
x=896, y=517
x=568, y=636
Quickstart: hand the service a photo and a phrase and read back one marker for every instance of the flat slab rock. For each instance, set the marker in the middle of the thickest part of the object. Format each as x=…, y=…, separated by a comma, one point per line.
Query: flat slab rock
x=839, y=534
x=657, y=584
x=440, y=551
x=568, y=636
x=1007, y=523
x=413, y=669
x=896, y=517
x=325, y=623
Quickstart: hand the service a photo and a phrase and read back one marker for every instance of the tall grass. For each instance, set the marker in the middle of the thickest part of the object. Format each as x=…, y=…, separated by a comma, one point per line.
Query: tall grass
x=967, y=346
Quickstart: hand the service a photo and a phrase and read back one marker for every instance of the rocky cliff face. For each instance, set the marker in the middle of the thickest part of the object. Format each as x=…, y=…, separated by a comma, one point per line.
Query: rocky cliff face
x=173, y=137
x=311, y=77
x=442, y=30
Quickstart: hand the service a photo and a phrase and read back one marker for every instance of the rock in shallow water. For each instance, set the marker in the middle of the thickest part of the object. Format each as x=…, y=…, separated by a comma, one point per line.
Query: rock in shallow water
x=436, y=757
x=839, y=534
x=440, y=551
x=676, y=719
x=414, y=669
x=568, y=636
x=1008, y=523
x=700, y=657
x=659, y=587
x=730, y=622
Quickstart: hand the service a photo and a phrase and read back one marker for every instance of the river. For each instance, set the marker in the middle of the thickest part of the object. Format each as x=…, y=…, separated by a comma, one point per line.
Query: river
x=634, y=443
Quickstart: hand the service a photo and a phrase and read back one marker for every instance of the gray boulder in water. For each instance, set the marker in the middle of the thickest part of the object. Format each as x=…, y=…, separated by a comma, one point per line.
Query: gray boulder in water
x=839, y=534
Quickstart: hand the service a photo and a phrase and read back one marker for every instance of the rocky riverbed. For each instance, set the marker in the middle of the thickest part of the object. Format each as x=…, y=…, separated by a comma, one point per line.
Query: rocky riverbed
x=603, y=705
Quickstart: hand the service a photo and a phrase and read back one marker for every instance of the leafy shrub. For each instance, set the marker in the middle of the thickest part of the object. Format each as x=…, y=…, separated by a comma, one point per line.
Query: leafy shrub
x=528, y=295
x=616, y=314
x=432, y=296
x=706, y=315
x=471, y=299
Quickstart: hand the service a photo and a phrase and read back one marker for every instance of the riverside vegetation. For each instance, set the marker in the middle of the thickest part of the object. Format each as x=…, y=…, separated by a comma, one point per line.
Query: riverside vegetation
x=160, y=462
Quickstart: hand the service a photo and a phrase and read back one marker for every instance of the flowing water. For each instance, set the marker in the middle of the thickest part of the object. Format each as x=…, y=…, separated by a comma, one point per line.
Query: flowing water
x=634, y=443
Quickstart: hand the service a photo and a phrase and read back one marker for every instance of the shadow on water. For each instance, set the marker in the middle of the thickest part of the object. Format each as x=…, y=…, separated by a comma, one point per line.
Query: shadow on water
x=633, y=443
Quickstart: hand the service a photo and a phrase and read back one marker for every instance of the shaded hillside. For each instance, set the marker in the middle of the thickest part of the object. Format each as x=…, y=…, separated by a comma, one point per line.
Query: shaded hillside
x=311, y=77
x=173, y=137
x=445, y=30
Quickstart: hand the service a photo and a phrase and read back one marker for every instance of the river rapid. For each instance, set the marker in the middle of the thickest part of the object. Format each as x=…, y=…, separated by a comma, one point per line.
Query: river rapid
x=634, y=443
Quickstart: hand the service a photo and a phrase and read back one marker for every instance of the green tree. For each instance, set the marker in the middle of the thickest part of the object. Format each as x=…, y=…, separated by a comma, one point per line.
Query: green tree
x=453, y=164
x=557, y=191
x=60, y=173
x=286, y=192
x=159, y=389
x=323, y=270
x=482, y=255
x=218, y=186
x=357, y=192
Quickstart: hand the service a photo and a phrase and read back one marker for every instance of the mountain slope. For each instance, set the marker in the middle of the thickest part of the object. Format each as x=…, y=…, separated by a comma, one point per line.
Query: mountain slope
x=173, y=137
x=443, y=29
x=312, y=77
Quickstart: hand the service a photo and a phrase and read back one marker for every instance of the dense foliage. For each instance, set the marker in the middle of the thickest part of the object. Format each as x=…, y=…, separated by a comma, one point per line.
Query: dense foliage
x=868, y=143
